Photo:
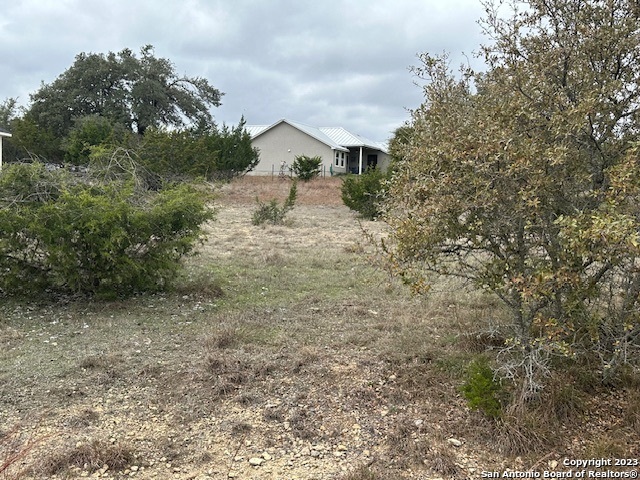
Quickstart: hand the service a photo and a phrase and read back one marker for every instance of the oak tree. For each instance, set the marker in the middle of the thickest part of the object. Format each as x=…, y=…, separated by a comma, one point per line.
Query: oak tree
x=524, y=179
x=131, y=91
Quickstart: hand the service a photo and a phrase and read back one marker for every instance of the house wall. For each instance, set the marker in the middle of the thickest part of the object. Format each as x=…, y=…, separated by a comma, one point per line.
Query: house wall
x=384, y=160
x=284, y=142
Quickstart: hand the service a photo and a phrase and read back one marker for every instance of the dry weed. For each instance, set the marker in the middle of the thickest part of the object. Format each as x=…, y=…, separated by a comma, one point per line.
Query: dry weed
x=524, y=433
x=14, y=448
x=632, y=409
x=90, y=457
x=406, y=447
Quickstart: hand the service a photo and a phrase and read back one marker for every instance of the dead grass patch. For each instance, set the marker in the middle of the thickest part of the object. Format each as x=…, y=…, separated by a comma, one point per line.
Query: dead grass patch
x=245, y=190
x=90, y=457
x=632, y=409
x=442, y=461
x=407, y=448
x=525, y=433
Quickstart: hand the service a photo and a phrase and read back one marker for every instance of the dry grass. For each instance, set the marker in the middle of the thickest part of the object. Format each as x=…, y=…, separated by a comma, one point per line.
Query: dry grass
x=94, y=456
x=320, y=191
x=15, y=447
x=281, y=343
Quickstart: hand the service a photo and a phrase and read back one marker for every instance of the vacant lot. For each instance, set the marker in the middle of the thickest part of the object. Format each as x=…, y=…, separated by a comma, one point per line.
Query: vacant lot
x=281, y=354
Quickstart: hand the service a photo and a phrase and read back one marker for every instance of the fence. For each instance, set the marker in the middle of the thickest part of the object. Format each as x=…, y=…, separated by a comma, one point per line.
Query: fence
x=286, y=172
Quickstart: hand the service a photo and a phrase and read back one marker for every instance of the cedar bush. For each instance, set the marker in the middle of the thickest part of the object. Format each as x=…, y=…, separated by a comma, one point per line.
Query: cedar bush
x=64, y=233
x=481, y=389
x=363, y=193
x=306, y=168
x=272, y=212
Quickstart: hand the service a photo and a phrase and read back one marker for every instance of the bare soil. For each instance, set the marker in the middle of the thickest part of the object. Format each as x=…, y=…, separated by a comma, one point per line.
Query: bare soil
x=282, y=354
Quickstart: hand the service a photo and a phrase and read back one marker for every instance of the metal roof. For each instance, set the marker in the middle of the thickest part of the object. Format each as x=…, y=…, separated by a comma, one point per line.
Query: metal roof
x=337, y=138
x=255, y=130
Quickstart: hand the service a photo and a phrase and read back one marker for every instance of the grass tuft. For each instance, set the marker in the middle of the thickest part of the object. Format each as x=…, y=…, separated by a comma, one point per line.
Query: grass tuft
x=90, y=457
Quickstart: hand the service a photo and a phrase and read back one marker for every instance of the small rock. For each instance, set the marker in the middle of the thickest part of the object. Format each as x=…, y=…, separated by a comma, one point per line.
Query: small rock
x=553, y=464
x=305, y=452
x=418, y=423
x=455, y=442
x=255, y=461
x=342, y=448
x=266, y=456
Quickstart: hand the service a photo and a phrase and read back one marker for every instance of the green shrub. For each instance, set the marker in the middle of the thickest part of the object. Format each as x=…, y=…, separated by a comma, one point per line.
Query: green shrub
x=482, y=390
x=272, y=212
x=89, y=132
x=68, y=235
x=363, y=193
x=306, y=167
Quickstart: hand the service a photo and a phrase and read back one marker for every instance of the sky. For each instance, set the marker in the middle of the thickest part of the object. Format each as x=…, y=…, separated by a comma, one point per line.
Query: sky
x=320, y=62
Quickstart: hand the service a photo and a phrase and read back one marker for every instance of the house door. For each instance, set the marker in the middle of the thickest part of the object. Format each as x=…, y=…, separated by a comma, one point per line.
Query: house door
x=372, y=161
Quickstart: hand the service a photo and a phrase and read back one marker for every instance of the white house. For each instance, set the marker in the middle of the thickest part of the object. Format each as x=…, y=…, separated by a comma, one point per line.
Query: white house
x=3, y=134
x=341, y=151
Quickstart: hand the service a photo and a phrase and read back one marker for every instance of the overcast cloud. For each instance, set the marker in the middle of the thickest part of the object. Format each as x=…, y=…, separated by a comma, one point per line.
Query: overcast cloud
x=321, y=62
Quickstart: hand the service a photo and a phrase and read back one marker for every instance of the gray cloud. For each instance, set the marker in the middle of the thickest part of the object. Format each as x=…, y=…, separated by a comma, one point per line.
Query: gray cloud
x=336, y=62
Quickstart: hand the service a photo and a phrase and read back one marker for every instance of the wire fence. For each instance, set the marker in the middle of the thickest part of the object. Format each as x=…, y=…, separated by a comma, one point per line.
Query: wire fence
x=284, y=171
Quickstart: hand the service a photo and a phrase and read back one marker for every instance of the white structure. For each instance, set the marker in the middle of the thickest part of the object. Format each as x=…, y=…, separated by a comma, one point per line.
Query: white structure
x=2, y=135
x=341, y=150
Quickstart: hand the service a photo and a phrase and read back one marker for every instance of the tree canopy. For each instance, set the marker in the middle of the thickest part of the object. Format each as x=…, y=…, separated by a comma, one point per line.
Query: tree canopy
x=106, y=102
x=137, y=92
x=525, y=180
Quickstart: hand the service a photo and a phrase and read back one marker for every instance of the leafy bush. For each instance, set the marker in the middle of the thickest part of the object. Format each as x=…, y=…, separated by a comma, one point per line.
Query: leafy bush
x=306, y=167
x=482, y=390
x=272, y=212
x=108, y=238
x=524, y=180
x=362, y=193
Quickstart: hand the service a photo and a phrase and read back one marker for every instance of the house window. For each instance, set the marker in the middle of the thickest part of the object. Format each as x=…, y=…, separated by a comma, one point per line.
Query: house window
x=342, y=160
x=337, y=158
